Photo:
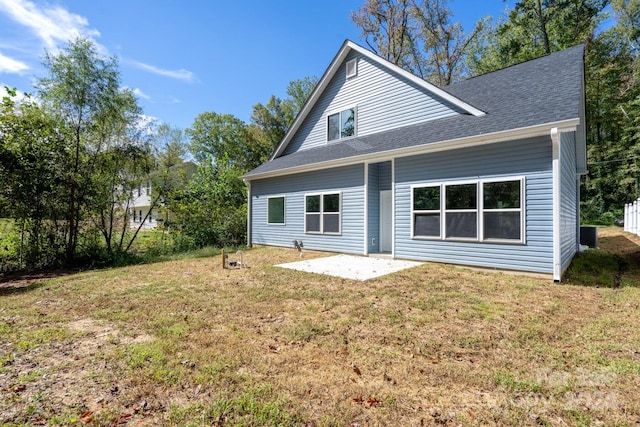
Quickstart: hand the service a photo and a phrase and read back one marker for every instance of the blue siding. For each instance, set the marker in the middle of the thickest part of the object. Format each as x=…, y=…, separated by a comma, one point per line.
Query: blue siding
x=569, y=199
x=529, y=158
x=373, y=202
x=379, y=179
x=384, y=101
x=349, y=180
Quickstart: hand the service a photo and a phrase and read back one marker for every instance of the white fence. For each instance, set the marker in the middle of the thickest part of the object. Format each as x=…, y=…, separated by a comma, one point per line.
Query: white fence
x=632, y=217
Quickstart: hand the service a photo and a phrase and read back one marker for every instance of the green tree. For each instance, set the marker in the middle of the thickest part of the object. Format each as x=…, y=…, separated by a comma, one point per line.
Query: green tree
x=613, y=99
x=532, y=29
x=33, y=161
x=79, y=87
x=223, y=136
x=298, y=91
x=107, y=145
x=211, y=209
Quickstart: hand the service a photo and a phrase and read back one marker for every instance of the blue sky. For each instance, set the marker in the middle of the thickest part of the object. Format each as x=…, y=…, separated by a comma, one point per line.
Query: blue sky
x=185, y=58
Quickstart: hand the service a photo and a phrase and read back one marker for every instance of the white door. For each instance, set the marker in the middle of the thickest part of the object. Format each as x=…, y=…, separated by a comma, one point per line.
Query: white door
x=386, y=223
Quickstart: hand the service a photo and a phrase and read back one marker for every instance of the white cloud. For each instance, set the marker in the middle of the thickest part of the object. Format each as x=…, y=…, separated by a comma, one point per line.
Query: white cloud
x=180, y=74
x=138, y=92
x=51, y=24
x=10, y=65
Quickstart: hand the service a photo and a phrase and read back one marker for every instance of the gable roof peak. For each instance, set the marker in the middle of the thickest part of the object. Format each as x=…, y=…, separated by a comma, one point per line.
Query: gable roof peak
x=347, y=47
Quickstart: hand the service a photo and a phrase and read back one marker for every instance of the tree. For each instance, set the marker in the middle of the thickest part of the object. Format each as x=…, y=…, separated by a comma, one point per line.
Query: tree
x=298, y=91
x=417, y=36
x=388, y=29
x=270, y=122
x=532, y=29
x=613, y=99
x=107, y=144
x=79, y=87
x=445, y=44
x=223, y=136
x=33, y=160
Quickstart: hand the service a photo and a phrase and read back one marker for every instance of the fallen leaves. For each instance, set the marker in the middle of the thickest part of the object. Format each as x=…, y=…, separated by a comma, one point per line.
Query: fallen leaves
x=86, y=417
x=370, y=402
x=17, y=388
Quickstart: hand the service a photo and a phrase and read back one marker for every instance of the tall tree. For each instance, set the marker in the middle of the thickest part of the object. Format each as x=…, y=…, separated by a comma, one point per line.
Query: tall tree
x=83, y=88
x=223, y=137
x=80, y=86
x=417, y=35
x=387, y=28
x=33, y=160
x=444, y=43
x=298, y=91
x=535, y=28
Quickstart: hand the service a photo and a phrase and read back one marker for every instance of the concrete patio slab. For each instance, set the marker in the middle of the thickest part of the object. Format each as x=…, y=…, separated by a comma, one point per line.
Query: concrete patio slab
x=351, y=266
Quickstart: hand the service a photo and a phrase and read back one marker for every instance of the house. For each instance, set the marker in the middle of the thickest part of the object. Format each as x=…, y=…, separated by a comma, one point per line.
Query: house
x=140, y=208
x=483, y=172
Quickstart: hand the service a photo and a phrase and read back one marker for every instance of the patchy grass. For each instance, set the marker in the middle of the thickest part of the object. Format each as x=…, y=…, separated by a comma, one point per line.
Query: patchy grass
x=615, y=263
x=187, y=343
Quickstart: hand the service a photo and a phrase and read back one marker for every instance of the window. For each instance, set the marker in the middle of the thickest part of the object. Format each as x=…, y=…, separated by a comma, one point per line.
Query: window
x=426, y=211
x=461, y=211
x=322, y=213
x=484, y=210
x=275, y=210
x=134, y=216
x=341, y=125
x=502, y=210
x=352, y=68
x=148, y=185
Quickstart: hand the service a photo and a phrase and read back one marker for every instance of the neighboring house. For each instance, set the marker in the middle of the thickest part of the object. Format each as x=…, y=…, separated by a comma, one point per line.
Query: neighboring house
x=139, y=208
x=484, y=172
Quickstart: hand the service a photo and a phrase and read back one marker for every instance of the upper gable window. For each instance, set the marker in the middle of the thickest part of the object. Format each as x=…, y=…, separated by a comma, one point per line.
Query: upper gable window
x=352, y=68
x=341, y=125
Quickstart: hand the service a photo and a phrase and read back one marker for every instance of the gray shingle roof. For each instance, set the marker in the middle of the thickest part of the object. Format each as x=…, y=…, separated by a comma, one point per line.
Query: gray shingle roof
x=540, y=91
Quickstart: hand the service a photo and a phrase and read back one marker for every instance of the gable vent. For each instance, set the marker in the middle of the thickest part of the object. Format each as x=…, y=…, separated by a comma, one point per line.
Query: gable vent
x=352, y=68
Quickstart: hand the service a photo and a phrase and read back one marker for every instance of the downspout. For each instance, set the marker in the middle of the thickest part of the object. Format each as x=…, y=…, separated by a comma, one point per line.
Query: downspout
x=556, y=185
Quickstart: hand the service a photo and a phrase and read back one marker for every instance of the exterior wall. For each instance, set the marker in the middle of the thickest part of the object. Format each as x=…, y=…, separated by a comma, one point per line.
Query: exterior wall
x=530, y=158
x=150, y=223
x=379, y=179
x=349, y=180
x=383, y=99
x=373, y=202
x=570, y=198
x=140, y=203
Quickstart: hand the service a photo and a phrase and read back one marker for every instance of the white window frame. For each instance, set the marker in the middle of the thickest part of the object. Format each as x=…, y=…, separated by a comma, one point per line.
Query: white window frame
x=479, y=211
x=431, y=211
x=322, y=213
x=446, y=211
x=521, y=209
x=284, y=207
x=339, y=113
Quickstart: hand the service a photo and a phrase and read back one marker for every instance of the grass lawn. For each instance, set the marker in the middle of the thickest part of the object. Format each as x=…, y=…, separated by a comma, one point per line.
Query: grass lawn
x=187, y=343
